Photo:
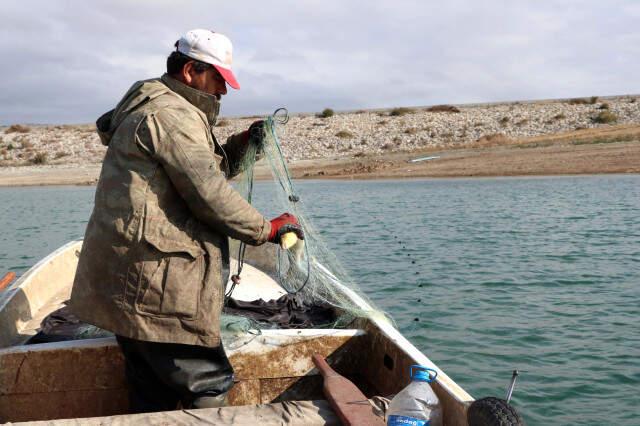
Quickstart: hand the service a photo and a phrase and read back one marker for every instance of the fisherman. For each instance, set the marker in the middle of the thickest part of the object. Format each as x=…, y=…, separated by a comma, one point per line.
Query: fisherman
x=155, y=258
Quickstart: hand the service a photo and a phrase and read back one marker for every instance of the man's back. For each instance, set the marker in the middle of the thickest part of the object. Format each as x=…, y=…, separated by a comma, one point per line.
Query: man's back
x=150, y=269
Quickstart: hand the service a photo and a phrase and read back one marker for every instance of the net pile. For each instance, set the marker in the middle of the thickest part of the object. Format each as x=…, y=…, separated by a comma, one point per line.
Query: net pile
x=310, y=272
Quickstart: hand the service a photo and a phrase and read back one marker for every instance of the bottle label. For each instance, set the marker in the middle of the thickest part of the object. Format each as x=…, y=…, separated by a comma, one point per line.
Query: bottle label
x=406, y=421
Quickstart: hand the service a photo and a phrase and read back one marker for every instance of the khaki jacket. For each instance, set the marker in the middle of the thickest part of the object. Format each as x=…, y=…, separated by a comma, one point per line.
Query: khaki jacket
x=155, y=257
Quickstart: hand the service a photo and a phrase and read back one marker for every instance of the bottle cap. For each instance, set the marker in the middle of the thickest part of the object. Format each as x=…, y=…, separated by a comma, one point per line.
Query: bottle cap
x=422, y=373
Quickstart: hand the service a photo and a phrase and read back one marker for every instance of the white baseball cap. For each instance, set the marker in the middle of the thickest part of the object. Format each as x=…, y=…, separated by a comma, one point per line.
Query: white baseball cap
x=212, y=48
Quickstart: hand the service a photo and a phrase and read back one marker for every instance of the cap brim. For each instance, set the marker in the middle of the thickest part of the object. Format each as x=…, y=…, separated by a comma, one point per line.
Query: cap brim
x=228, y=77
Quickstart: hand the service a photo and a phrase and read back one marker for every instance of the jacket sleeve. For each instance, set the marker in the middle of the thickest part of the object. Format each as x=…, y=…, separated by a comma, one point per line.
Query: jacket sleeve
x=184, y=152
x=235, y=149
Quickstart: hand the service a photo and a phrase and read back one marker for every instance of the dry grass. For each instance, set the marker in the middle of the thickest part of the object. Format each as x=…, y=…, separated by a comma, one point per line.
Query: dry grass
x=398, y=112
x=605, y=117
x=39, y=158
x=17, y=128
x=443, y=108
x=493, y=139
x=601, y=140
x=411, y=131
x=583, y=101
x=345, y=134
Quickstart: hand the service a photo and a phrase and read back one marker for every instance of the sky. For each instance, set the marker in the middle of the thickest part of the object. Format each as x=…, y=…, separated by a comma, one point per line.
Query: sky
x=69, y=61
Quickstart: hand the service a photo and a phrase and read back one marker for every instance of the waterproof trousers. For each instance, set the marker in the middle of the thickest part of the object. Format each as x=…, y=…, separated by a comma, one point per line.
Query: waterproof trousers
x=161, y=375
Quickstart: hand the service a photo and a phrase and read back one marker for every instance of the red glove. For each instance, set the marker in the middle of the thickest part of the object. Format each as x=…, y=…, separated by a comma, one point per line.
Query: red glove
x=282, y=224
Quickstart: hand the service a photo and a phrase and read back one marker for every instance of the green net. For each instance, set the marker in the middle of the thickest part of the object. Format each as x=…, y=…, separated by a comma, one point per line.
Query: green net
x=310, y=271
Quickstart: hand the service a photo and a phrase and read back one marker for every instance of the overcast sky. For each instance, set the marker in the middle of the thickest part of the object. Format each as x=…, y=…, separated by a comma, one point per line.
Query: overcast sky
x=69, y=61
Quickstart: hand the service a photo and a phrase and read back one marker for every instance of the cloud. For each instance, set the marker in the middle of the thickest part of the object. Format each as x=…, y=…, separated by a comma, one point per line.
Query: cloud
x=69, y=61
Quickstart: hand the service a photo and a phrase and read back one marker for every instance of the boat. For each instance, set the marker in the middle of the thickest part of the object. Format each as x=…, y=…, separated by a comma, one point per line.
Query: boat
x=83, y=381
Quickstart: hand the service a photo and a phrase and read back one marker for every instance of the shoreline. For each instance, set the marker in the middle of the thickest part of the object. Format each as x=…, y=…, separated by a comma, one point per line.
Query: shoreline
x=530, y=138
x=558, y=159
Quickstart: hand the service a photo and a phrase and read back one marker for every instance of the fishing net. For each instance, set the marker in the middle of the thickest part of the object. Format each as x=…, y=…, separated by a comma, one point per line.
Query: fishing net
x=313, y=278
x=309, y=271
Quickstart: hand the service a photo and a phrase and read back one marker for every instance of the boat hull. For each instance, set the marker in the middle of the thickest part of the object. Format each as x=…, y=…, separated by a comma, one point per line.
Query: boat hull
x=85, y=378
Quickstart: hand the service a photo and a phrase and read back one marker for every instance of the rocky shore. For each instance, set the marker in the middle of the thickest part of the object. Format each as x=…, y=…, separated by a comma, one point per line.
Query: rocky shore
x=310, y=136
x=341, y=137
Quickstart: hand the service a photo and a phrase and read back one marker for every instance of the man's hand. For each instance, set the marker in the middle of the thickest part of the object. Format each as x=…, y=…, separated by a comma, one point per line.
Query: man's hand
x=256, y=134
x=282, y=224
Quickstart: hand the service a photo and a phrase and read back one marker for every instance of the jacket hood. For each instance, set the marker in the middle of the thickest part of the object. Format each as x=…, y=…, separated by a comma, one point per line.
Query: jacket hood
x=142, y=92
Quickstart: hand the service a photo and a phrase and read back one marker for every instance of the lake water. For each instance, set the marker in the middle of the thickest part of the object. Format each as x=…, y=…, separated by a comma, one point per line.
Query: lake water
x=538, y=274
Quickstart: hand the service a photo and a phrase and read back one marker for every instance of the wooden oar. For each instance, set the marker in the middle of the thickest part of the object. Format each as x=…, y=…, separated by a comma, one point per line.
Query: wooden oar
x=6, y=280
x=351, y=405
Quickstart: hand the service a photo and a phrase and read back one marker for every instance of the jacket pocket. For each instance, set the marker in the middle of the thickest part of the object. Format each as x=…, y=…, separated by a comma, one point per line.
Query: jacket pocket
x=172, y=272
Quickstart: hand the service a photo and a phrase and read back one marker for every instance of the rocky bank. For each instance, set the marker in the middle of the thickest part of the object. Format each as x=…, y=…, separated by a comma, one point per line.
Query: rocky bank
x=352, y=134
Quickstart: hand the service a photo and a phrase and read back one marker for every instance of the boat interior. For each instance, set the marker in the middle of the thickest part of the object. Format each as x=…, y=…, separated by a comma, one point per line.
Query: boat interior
x=85, y=378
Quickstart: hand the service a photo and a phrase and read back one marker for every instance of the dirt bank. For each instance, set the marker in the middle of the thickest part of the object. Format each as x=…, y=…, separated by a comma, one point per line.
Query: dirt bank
x=590, y=151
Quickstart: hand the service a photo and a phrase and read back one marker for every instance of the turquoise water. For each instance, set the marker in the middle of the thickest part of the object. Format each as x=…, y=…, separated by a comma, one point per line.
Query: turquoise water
x=483, y=275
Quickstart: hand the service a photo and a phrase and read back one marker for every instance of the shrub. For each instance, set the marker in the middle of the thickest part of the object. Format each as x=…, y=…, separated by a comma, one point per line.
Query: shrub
x=10, y=146
x=27, y=145
x=604, y=105
x=605, y=117
x=578, y=101
x=17, y=128
x=443, y=108
x=39, y=158
x=327, y=112
x=632, y=100
x=411, y=131
x=382, y=122
x=522, y=122
x=222, y=123
x=593, y=100
x=344, y=134
x=61, y=154
x=397, y=112
x=503, y=121
x=560, y=116
x=493, y=139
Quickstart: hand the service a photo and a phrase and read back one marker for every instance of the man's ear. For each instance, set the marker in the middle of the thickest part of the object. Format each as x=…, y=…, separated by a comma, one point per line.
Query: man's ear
x=187, y=73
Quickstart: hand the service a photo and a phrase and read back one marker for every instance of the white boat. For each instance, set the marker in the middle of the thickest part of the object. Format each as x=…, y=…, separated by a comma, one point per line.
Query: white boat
x=83, y=380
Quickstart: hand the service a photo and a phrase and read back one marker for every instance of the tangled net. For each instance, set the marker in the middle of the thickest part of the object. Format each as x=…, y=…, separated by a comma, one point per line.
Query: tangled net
x=312, y=273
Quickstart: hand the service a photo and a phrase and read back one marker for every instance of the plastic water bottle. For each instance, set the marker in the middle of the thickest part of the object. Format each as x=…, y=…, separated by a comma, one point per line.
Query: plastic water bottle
x=417, y=404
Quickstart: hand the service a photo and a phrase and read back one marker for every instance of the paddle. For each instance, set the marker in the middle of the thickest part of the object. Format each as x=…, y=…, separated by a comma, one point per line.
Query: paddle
x=345, y=398
x=6, y=280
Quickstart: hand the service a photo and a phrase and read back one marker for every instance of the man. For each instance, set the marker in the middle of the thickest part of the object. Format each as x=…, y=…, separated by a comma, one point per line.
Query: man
x=155, y=258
